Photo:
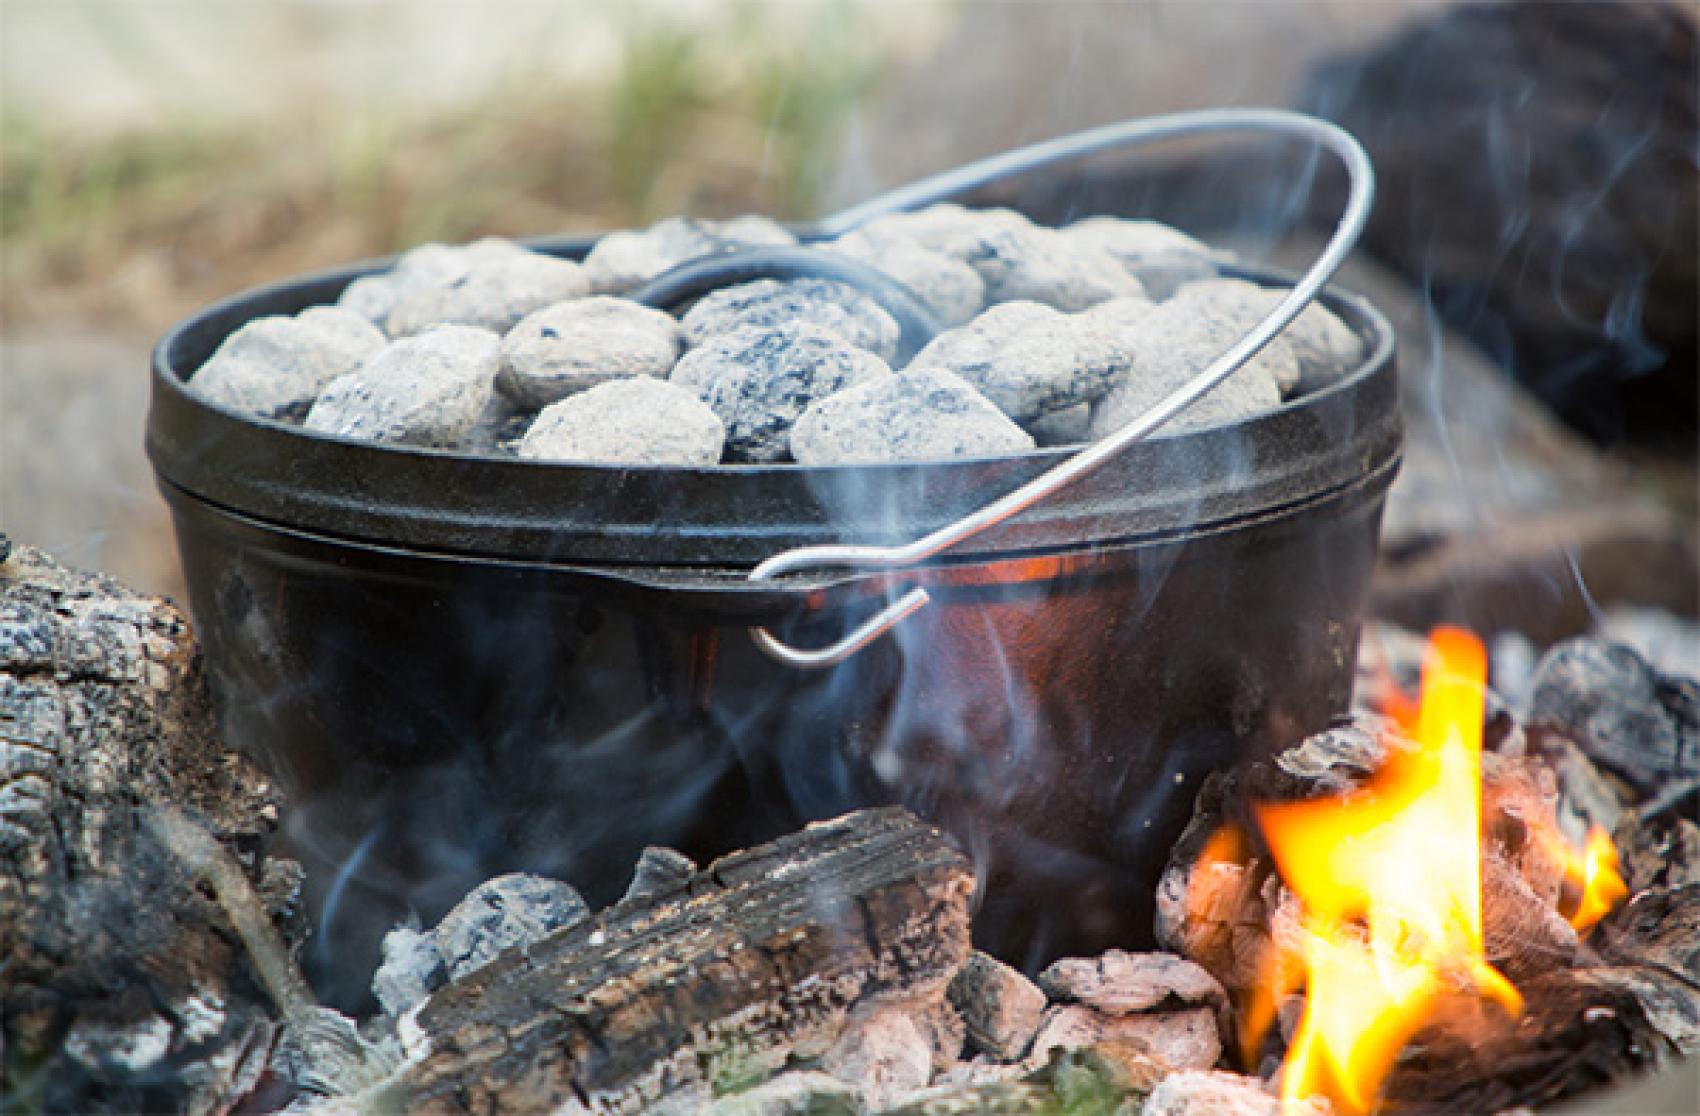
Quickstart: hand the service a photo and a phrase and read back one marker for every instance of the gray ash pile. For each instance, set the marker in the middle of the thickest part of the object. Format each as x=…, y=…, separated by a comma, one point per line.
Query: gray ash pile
x=1048, y=337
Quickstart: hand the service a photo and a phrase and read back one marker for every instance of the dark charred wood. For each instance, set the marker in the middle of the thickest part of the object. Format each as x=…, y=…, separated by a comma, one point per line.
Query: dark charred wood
x=662, y=1000
x=125, y=985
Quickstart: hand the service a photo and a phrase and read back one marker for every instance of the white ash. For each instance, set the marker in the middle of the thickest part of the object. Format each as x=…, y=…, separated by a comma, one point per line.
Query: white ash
x=426, y=390
x=770, y=303
x=501, y=914
x=1067, y=427
x=1161, y=257
x=1030, y=359
x=921, y=414
x=575, y=345
x=1175, y=1040
x=1324, y=347
x=798, y=1093
x=322, y=1051
x=1216, y=1093
x=1120, y=983
x=659, y=869
x=102, y=1046
x=882, y=1054
x=622, y=261
x=950, y=290
x=494, y=291
x=277, y=362
x=760, y=380
x=411, y=970
x=641, y=421
x=1171, y=345
x=1001, y=1008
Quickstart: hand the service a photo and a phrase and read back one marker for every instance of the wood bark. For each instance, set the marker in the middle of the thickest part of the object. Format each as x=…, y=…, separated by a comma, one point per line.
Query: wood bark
x=664, y=1000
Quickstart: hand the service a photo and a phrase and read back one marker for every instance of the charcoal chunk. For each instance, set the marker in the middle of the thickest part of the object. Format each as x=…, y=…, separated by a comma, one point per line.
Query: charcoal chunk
x=426, y=390
x=411, y=970
x=1001, y=1007
x=1121, y=983
x=921, y=414
x=1160, y=257
x=951, y=291
x=767, y=303
x=578, y=344
x=641, y=421
x=374, y=297
x=622, y=261
x=1324, y=347
x=493, y=291
x=501, y=914
x=659, y=869
x=272, y=364
x=1629, y=718
x=760, y=380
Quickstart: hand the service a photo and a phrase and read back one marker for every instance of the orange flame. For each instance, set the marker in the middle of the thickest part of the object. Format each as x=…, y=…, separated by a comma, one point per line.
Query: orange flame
x=1389, y=878
x=1592, y=876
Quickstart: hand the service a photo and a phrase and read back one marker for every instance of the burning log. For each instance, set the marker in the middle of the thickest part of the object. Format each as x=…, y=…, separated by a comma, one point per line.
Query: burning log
x=665, y=999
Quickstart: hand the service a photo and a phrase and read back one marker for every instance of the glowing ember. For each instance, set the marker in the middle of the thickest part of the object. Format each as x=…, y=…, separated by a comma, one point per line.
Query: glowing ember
x=1593, y=877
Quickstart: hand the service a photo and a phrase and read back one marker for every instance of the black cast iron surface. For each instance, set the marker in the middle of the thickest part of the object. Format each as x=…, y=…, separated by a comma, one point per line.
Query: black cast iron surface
x=459, y=666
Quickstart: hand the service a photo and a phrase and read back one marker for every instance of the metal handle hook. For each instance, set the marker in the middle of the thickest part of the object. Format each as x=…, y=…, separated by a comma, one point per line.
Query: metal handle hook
x=939, y=187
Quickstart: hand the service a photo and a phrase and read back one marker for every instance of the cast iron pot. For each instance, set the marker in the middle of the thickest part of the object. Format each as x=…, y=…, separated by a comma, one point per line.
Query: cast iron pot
x=459, y=666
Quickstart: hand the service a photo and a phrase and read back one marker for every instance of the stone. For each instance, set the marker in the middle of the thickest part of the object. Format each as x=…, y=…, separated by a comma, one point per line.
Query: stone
x=273, y=363
x=494, y=290
x=882, y=1054
x=504, y=913
x=579, y=344
x=798, y=1093
x=411, y=970
x=624, y=260
x=1324, y=346
x=1218, y=1093
x=759, y=381
x=1171, y=345
x=1631, y=720
x=1030, y=359
x=1001, y=1007
x=658, y=870
x=1177, y=1040
x=1120, y=983
x=426, y=390
x=768, y=303
x=921, y=414
x=1162, y=258
x=641, y=421
x=951, y=291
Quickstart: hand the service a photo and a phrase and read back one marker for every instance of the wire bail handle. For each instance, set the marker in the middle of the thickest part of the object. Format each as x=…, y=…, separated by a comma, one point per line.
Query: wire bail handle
x=1131, y=133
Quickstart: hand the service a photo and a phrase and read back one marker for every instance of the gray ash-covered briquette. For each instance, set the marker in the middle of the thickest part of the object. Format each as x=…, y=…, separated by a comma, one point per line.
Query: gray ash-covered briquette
x=1324, y=347
x=427, y=390
x=273, y=364
x=622, y=261
x=951, y=291
x=771, y=303
x=920, y=414
x=574, y=345
x=760, y=380
x=1161, y=257
x=640, y=421
x=428, y=265
x=494, y=291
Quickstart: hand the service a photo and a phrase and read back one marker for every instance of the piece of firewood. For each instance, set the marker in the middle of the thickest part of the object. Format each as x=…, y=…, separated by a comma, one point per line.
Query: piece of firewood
x=125, y=984
x=664, y=1000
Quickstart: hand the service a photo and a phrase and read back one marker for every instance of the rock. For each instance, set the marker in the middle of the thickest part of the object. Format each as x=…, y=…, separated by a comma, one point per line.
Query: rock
x=426, y=390
x=1171, y=345
x=494, y=290
x=760, y=380
x=1217, y=1093
x=1001, y=1007
x=411, y=970
x=768, y=303
x=641, y=421
x=1029, y=359
x=504, y=913
x=1120, y=983
x=921, y=414
x=622, y=261
x=1160, y=257
x=951, y=290
x=882, y=1054
x=798, y=1093
x=579, y=344
x=658, y=870
x=1627, y=717
x=1324, y=346
x=272, y=363
x=1177, y=1040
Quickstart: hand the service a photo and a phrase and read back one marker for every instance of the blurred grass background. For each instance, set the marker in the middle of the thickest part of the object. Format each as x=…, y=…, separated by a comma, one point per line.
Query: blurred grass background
x=156, y=155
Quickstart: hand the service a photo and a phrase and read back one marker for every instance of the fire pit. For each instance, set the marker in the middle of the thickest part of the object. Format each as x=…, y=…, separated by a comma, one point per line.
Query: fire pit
x=460, y=665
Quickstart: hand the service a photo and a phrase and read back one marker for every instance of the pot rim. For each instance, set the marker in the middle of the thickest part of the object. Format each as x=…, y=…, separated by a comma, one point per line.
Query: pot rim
x=736, y=515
